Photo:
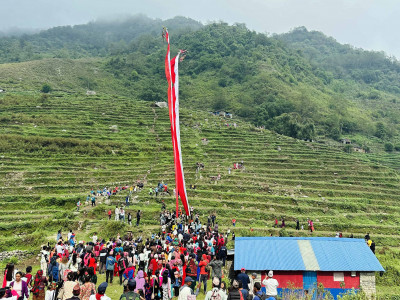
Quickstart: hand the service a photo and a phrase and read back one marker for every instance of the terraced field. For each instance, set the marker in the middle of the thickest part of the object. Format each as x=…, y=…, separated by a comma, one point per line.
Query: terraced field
x=391, y=160
x=53, y=150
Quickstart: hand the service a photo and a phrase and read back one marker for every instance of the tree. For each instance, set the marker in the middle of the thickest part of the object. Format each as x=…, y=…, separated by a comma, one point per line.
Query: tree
x=348, y=148
x=380, y=131
x=389, y=147
x=46, y=88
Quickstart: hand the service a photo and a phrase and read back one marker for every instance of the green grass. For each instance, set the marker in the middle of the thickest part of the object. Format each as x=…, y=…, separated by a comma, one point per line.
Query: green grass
x=54, y=149
x=63, y=75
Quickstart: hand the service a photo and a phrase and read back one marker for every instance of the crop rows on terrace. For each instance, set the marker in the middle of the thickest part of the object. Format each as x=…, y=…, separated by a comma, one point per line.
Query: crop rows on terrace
x=54, y=150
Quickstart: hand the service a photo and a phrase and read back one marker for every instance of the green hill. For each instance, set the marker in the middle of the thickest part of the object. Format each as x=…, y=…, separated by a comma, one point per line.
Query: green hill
x=344, y=62
x=97, y=39
x=301, y=84
x=55, y=147
x=268, y=83
x=53, y=150
x=63, y=75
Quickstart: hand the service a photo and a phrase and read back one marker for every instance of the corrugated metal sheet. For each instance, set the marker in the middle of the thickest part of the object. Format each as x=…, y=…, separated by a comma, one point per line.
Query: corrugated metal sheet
x=341, y=254
x=262, y=254
x=280, y=253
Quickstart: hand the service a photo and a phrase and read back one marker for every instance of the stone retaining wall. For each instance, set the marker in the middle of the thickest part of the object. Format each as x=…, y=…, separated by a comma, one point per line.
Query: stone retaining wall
x=19, y=254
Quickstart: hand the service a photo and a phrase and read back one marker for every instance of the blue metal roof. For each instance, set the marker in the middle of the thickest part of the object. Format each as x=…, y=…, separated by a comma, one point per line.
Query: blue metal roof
x=304, y=254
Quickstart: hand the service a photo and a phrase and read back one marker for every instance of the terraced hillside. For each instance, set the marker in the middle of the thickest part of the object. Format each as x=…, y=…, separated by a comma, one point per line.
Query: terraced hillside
x=53, y=150
x=67, y=75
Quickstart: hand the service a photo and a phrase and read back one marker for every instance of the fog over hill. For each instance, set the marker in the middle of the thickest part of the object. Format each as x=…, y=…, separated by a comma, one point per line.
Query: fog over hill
x=363, y=23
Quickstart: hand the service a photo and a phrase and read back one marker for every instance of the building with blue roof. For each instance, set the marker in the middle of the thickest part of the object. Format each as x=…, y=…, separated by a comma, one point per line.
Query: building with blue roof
x=339, y=264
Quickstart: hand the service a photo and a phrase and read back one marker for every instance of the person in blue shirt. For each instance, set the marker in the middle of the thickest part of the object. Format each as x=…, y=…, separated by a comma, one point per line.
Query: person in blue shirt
x=258, y=294
x=71, y=240
x=244, y=278
x=244, y=292
x=110, y=263
x=59, y=235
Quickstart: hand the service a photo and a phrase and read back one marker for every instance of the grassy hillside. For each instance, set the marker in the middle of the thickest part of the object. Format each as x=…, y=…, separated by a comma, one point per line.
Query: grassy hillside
x=301, y=84
x=64, y=75
x=54, y=150
x=55, y=147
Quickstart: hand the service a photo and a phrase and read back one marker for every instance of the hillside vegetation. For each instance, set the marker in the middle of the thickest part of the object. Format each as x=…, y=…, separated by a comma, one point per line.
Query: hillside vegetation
x=98, y=39
x=57, y=145
x=65, y=75
x=301, y=84
x=53, y=150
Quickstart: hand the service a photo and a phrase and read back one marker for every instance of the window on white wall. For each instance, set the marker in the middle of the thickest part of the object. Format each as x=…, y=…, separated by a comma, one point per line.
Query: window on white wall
x=338, y=276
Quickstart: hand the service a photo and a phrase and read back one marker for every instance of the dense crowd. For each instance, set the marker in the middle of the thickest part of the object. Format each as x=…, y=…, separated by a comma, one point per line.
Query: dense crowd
x=177, y=261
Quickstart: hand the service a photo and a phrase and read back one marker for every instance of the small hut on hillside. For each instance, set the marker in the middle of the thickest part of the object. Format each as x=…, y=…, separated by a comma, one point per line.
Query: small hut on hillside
x=161, y=104
x=345, y=141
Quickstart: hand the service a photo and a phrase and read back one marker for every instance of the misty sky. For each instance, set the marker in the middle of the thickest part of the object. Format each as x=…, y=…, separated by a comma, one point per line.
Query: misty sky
x=369, y=24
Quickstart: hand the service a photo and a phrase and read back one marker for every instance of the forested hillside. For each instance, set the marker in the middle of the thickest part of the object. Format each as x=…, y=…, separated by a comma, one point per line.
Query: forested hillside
x=301, y=84
x=264, y=81
x=98, y=38
x=346, y=62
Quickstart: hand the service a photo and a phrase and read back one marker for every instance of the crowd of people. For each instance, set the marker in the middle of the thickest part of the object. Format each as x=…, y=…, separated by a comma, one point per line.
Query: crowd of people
x=119, y=215
x=161, y=188
x=177, y=262
x=107, y=192
x=310, y=224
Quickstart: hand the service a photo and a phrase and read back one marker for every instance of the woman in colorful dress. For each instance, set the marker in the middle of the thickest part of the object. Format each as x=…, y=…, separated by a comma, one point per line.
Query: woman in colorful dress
x=39, y=284
x=88, y=288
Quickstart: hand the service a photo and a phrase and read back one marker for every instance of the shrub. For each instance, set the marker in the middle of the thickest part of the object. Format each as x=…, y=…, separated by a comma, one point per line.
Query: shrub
x=330, y=193
x=11, y=260
x=389, y=147
x=367, y=149
x=353, y=295
x=348, y=148
x=113, y=228
x=46, y=88
x=283, y=232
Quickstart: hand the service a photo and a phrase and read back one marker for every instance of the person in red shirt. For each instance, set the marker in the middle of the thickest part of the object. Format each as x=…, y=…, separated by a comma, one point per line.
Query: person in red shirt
x=28, y=276
x=93, y=263
x=116, y=265
x=203, y=274
x=109, y=214
x=97, y=250
x=192, y=270
x=221, y=242
x=153, y=265
x=182, y=249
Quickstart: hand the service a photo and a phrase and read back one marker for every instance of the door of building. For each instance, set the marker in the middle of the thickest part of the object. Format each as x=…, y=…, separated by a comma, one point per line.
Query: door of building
x=309, y=281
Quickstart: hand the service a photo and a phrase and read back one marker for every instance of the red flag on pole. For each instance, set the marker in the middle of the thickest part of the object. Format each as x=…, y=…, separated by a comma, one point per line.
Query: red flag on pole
x=171, y=72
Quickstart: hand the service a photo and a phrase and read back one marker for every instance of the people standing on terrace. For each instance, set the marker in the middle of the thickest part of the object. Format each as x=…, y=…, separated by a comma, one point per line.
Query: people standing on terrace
x=173, y=255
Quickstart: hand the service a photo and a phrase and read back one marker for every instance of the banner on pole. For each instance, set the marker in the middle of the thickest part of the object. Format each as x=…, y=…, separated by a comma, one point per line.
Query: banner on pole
x=172, y=74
